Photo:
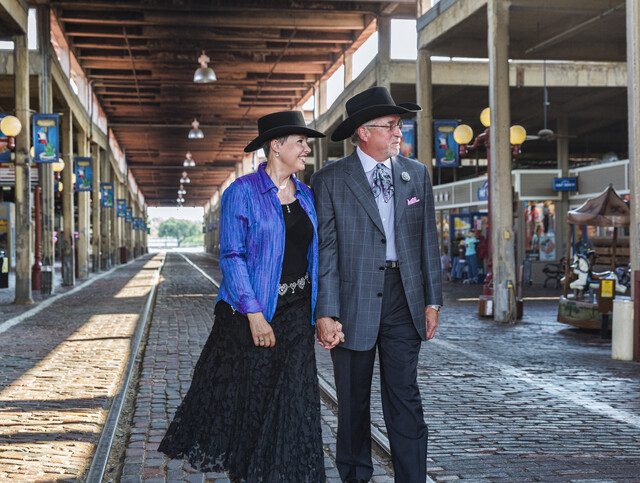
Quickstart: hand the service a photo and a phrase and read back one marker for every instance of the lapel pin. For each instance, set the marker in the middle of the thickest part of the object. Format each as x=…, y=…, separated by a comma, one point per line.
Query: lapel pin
x=405, y=176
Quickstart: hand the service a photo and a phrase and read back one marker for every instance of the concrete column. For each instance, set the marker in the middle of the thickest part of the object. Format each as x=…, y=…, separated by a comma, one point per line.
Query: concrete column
x=424, y=96
x=128, y=232
x=83, y=216
x=239, y=169
x=96, y=255
x=116, y=234
x=422, y=7
x=348, y=67
x=383, y=68
x=347, y=145
x=68, y=240
x=562, y=207
x=105, y=215
x=321, y=98
x=502, y=236
x=633, y=96
x=24, y=242
x=45, y=171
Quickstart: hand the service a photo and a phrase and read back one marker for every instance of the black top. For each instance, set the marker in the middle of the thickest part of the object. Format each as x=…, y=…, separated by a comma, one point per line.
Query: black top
x=299, y=234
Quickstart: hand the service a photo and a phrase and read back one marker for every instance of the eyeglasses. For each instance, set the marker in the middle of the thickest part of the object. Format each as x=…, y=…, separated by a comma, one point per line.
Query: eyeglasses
x=390, y=126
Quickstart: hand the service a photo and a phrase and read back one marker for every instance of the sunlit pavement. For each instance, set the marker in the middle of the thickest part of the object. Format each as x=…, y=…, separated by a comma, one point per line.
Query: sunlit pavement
x=537, y=401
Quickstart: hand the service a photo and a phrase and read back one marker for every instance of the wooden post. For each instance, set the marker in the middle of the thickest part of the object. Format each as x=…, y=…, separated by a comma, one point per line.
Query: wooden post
x=567, y=270
x=68, y=239
x=23, y=173
x=383, y=68
x=504, y=269
x=424, y=96
x=96, y=254
x=83, y=216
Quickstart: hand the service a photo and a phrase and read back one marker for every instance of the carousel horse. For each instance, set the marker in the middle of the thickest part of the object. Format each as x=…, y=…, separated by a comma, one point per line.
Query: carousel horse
x=587, y=279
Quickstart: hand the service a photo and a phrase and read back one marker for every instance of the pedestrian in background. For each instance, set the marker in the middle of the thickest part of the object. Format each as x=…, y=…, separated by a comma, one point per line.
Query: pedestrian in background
x=470, y=243
x=253, y=408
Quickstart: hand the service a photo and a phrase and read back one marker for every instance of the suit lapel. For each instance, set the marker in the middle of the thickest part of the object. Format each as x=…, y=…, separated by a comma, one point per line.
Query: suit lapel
x=400, y=189
x=360, y=187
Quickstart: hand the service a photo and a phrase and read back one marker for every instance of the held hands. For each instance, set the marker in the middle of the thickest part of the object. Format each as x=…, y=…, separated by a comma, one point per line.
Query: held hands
x=329, y=332
x=261, y=330
x=431, y=320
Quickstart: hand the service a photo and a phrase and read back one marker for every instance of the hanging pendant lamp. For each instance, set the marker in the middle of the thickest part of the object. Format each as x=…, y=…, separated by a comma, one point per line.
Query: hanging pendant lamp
x=204, y=74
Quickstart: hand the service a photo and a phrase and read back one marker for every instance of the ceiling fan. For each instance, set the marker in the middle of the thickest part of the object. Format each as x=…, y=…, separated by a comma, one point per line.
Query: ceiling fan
x=545, y=133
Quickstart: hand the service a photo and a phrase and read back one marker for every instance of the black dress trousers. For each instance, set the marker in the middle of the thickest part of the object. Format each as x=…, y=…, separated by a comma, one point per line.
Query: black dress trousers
x=398, y=348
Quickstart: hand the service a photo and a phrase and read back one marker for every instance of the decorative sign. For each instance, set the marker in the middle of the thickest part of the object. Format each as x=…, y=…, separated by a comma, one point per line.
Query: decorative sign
x=565, y=184
x=83, y=169
x=483, y=191
x=607, y=288
x=121, y=208
x=408, y=146
x=106, y=195
x=129, y=215
x=446, y=150
x=5, y=152
x=46, y=138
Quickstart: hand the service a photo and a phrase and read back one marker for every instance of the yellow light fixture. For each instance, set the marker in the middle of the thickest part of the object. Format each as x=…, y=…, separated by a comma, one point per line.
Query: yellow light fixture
x=59, y=166
x=463, y=134
x=10, y=126
x=73, y=178
x=485, y=117
x=517, y=135
x=60, y=186
x=32, y=152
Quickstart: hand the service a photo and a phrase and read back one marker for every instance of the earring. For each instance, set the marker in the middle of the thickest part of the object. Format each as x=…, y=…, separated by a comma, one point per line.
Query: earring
x=277, y=155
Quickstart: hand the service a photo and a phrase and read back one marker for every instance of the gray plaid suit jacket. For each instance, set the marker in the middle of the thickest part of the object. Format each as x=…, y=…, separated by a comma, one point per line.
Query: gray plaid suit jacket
x=352, y=247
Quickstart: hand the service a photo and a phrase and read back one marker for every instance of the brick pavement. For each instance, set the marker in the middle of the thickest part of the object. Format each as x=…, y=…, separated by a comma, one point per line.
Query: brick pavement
x=182, y=320
x=59, y=371
x=537, y=401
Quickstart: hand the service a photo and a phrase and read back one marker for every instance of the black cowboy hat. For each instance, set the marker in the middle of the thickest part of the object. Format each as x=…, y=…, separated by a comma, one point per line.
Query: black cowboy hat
x=278, y=124
x=370, y=104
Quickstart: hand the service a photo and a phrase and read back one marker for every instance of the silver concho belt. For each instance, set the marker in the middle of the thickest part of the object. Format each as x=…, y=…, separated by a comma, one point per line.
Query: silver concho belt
x=285, y=288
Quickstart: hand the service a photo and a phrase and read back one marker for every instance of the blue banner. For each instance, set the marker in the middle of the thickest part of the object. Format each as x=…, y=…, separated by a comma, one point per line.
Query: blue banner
x=121, y=208
x=106, y=195
x=83, y=169
x=565, y=184
x=5, y=153
x=483, y=191
x=46, y=138
x=129, y=215
x=408, y=146
x=446, y=149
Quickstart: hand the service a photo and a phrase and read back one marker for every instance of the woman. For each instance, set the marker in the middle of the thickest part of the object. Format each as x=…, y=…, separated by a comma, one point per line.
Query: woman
x=253, y=408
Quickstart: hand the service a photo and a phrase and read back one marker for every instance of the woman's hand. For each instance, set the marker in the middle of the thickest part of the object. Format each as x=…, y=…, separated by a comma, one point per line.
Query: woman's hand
x=261, y=330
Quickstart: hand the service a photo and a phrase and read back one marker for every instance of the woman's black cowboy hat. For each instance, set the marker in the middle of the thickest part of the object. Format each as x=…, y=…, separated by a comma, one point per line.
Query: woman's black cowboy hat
x=278, y=124
x=369, y=104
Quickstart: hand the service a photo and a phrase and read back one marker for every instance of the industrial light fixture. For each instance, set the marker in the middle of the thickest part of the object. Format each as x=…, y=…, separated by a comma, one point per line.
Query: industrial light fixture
x=185, y=178
x=10, y=127
x=196, y=132
x=188, y=162
x=180, y=200
x=204, y=74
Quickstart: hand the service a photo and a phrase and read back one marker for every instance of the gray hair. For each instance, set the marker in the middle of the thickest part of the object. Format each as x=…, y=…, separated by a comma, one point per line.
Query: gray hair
x=355, y=137
x=266, y=146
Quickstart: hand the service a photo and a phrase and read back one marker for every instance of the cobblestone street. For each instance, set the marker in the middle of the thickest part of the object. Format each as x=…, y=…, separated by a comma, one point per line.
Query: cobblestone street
x=59, y=372
x=537, y=401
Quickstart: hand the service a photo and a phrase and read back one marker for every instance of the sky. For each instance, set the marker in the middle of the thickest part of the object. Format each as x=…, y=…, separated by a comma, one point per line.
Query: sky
x=184, y=213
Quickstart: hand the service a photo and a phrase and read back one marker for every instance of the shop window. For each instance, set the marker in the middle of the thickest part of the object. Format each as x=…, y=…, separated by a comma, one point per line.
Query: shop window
x=540, y=230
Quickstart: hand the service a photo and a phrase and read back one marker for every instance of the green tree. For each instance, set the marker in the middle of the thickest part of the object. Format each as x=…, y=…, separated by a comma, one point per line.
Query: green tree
x=178, y=229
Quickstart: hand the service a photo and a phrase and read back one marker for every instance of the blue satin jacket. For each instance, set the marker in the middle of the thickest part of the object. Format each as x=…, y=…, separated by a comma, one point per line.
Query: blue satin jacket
x=252, y=238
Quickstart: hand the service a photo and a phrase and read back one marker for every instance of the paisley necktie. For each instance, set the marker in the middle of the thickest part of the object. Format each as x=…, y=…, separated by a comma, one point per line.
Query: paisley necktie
x=382, y=183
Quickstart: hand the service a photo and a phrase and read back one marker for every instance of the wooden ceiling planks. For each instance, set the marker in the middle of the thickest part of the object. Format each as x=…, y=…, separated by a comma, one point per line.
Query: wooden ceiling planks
x=267, y=55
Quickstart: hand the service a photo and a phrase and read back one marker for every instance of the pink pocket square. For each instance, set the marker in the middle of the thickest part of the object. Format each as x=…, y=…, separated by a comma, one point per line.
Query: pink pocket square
x=412, y=201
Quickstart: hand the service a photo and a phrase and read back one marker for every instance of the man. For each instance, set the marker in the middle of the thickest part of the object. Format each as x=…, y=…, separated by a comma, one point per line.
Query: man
x=380, y=277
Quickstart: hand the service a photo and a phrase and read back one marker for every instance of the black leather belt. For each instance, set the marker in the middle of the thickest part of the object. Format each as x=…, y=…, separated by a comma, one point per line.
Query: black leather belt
x=392, y=264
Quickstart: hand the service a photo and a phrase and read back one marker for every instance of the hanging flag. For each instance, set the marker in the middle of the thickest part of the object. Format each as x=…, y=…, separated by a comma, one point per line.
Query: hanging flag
x=106, y=195
x=46, y=138
x=446, y=150
x=121, y=208
x=83, y=169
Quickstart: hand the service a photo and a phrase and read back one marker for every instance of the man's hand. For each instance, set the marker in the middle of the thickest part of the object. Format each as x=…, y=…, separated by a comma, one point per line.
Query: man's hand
x=431, y=320
x=329, y=332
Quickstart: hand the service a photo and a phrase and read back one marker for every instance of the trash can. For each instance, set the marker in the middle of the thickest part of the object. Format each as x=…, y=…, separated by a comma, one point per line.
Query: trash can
x=4, y=270
x=622, y=329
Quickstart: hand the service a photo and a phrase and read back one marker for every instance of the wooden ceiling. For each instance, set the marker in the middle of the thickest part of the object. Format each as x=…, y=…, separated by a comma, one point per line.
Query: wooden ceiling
x=267, y=54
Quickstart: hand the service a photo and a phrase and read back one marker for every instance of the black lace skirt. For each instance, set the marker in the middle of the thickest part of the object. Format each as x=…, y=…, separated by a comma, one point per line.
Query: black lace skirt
x=254, y=411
